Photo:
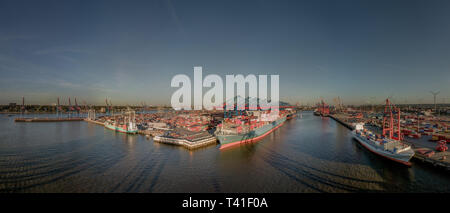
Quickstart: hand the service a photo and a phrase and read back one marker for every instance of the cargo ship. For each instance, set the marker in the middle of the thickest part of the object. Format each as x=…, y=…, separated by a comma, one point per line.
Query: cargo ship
x=125, y=122
x=129, y=128
x=248, y=129
x=322, y=109
x=386, y=147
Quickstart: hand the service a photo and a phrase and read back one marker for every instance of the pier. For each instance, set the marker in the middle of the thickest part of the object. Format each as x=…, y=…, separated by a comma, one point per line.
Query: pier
x=47, y=119
x=187, y=139
x=152, y=133
x=189, y=144
x=341, y=121
x=94, y=122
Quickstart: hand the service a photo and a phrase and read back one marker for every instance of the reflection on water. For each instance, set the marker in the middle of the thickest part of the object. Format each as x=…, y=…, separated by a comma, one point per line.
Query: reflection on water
x=309, y=154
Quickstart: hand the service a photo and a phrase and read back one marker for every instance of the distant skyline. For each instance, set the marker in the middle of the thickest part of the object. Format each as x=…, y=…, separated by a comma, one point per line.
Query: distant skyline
x=128, y=51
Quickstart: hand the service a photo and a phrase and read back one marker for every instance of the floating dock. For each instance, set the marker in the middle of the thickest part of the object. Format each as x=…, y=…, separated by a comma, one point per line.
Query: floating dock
x=151, y=132
x=47, y=119
x=187, y=139
x=95, y=122
x=142, y=132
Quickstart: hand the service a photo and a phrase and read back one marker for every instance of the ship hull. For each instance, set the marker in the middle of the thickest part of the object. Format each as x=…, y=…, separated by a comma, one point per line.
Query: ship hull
x=399, y=158
x=291, y=116
x=253, y=136
x=119, y=129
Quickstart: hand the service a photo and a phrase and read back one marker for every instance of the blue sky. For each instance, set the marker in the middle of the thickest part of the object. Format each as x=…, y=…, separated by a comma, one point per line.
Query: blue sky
x=128, y=51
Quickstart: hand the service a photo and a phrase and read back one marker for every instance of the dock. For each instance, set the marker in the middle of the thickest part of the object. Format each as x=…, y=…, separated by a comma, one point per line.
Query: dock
x=142, y=132
x=439, y=160
x=342, y=121
x=436, y=160
x=95, y=122
x=187, y=139
x=152, y=133
x=178, y=137
x=47, y=119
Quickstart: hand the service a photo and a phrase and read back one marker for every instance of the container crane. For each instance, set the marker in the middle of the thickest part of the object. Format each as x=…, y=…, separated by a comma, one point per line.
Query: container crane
x=23, y=105
x=77, y=108
x=58, y=108
x=388, y=121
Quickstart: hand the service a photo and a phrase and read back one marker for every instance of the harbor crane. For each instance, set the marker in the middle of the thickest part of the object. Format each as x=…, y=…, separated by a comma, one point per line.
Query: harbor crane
x=71, y=109
x=108, y=107
x=22, y=109
x=58, y=108
x=388, y=121
x=77, y=108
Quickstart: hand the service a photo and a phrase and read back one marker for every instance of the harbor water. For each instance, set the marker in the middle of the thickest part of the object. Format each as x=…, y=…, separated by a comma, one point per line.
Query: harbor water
x=307, y=154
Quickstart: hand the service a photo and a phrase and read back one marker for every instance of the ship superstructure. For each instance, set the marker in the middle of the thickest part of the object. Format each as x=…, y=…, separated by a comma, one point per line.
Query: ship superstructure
x=124, y=122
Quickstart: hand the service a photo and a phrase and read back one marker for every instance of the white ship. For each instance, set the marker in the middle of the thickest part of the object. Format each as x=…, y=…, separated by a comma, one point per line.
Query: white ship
x=389, y=148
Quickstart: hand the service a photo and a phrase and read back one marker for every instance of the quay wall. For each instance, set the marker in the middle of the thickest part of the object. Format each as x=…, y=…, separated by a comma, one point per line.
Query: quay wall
x=436, y=162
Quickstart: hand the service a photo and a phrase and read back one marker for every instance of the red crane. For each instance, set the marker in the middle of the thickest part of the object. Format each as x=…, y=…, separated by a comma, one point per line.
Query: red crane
x=70, y=106
x=388, y=121
x=77, y=107
x=323, y=108
x=58, y=108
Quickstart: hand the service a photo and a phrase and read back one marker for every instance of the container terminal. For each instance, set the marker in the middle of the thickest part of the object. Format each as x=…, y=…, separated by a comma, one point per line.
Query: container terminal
x=190, y=129
x=195, y=129
x=427, y=133
x=186, y=138
x=425, y=129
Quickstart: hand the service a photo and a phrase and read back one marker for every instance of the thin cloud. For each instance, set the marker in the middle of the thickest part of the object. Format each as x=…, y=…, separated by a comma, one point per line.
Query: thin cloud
x=15, y=37
x=173, y=14
x=55, y=50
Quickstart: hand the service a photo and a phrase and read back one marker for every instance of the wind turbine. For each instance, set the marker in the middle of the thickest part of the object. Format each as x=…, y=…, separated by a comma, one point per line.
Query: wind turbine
x=435, y=93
